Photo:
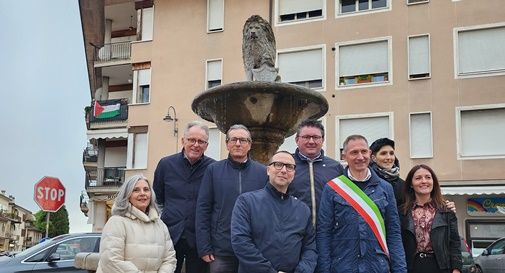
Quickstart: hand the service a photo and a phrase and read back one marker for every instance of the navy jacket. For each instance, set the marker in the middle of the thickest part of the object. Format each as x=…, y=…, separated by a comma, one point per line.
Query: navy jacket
x=222, y=183
x=176, y=185
x=324, y=169
x=346, y=243
x=271, y=232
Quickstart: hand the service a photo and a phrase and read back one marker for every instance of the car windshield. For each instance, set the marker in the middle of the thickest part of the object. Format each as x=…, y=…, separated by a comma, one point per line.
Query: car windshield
x=35, y=248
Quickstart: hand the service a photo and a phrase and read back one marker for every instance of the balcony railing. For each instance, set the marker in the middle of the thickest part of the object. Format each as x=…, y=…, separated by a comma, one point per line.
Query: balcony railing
x=105, y=177
x=11, y=216
x=89, y=155
x=112, y=52
x=107, y=111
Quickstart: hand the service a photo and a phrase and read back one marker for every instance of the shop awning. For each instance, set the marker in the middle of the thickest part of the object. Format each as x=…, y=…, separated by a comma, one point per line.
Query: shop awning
x=473, y=190
x=107, y=133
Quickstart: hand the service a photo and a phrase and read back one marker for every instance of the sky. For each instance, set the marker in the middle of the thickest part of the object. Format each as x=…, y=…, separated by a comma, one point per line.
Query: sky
x=44, y=89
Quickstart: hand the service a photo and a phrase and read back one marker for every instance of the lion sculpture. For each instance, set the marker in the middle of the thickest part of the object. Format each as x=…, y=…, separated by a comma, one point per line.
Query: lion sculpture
x=258, y=50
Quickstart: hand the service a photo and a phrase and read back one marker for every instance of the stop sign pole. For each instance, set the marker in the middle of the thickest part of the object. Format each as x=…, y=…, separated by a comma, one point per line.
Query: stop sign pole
x=49, y=194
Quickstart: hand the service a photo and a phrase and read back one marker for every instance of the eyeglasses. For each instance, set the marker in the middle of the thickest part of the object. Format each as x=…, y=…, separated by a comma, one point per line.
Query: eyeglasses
x=279, y=165
x=192, y=141
x=307, y=138
x=241, y=140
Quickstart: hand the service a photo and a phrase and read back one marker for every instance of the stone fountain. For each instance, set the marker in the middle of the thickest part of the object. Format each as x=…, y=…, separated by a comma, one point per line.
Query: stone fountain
x=270, y=109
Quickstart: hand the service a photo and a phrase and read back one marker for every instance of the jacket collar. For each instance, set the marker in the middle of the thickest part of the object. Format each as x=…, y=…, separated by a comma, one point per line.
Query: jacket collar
x=134, y=213
x=239, y=165
x=305, y=158
x=277, y=194
x=186, y=160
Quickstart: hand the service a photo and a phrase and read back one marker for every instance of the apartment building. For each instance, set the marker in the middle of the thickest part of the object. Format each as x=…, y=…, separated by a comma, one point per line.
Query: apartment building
x=428, y=74
x=17, y=231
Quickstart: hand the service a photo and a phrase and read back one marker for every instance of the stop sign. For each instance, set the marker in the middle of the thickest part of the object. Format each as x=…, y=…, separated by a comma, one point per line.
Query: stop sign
x=49, y=194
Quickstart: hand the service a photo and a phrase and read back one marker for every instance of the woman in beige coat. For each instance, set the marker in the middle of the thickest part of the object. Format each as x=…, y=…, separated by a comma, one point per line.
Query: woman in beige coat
x=134, y=239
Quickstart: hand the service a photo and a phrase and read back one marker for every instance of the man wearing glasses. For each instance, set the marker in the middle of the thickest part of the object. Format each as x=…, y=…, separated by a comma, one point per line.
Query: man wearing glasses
x=176, y=184
x=314, y=169
x=272, y=231
x=222, y=183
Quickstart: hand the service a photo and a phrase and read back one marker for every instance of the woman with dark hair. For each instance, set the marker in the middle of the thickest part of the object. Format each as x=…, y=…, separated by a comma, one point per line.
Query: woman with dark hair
x=134, y=239
x=386, y=165
x=429, y=229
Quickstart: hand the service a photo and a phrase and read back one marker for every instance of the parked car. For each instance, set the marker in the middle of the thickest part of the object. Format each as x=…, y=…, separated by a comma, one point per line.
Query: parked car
x=492, y=259
x=468, y=262
x=54, y=254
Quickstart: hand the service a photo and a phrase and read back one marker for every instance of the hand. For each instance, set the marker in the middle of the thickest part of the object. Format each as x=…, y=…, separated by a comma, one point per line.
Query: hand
x=451, y=206
x=208, y=258
x=456, y=271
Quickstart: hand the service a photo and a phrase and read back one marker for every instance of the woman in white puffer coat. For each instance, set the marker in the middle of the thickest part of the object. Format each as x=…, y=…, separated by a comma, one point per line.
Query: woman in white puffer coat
x=134, y=239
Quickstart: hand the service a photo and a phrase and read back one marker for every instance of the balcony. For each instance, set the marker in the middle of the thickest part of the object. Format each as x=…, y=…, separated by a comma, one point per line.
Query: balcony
x=15, y=219
x=112, y=54
x=107, y=114
x=105, y=179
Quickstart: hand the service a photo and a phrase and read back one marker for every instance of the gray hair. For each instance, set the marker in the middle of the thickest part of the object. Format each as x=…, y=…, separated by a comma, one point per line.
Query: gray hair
x=198, y=124
x=236, y=127
x=122, y=202
x=353, y=137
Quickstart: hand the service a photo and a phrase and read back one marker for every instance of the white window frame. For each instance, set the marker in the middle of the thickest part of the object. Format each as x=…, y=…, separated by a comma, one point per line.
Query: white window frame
x=389, y=41
x=130, y=152
x=147, y=29
x=390, y=116
x=218, y=144
x=206, y=84
x=417, y=2
x=278, y=22
x=459, y=147
x=338, y=14
x=322, y=47
x=209, y=15
x=136, y=86
x=456, y=31
x=410, y=134
x=429, y=57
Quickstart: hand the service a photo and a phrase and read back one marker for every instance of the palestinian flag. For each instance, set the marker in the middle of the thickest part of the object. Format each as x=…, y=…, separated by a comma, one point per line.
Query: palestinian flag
x=107, y=111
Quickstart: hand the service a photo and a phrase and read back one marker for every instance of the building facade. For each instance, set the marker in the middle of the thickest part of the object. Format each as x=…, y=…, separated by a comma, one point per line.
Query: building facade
x=428, y=74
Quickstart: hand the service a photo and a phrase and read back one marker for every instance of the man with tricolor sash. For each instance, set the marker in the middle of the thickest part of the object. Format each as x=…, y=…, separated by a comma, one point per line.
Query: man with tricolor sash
x=358, y=228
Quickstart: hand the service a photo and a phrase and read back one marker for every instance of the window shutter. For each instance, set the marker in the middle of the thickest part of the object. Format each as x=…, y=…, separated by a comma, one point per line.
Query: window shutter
x=216, y=14
x=363, y=59
x=301, y=65
x=297, y=6
x=483, y=132
x=371, y=128
x=481, y=50
x=420, y=135
x=214, y=70
x=419, y=55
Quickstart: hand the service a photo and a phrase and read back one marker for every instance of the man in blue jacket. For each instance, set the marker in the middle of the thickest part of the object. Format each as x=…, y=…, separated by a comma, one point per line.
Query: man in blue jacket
x=222, y=183
x=313, y=168
x=176, y=183
x=350, y=235
x=272, y=231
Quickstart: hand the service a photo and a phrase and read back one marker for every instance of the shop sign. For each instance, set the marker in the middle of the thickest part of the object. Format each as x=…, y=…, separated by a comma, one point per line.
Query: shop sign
x=491, y=206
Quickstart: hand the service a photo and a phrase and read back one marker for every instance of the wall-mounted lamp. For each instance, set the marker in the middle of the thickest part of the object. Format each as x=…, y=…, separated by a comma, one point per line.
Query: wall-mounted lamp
x=169, y=118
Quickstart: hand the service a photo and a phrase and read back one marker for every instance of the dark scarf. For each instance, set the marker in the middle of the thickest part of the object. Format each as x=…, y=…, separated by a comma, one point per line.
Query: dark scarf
x=388, y=175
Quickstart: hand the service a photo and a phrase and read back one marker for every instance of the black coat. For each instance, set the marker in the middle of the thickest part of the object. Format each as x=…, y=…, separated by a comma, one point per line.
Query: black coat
x=444, y=238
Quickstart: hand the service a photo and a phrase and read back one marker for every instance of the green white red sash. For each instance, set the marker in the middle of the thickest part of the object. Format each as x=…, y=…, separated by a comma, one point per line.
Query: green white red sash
x=363, y=205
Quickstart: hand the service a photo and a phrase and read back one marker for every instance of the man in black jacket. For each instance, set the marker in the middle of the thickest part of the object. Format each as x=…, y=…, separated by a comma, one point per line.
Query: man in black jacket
x=271, y=230
x=176, y=183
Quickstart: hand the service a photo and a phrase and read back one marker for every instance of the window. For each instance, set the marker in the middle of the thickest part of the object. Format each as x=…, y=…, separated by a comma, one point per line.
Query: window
x=419, y=56
x=215, y=15
x=141, y=85
x=289, y=144
x=351, y=6
x=214, y=147
x=421, y=137
x=481, y=131
x=214, y=73
x=371, y=126
x=480, y=51
x=299, y=10
x=303, y=67
x=136, y=157
x=417, y=1
x=363, y=63
x=147, y=23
